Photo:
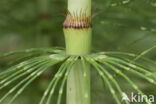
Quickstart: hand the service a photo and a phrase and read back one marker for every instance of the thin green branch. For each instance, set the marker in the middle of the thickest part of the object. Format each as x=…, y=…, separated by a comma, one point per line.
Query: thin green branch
x=58, y=78
x=91, y=61
x=125, y=77
x=24, y=57
x=33, y=50
x=112, y=79
x=53, y=59
x=145, y=52
x=32, y=75
x=128, y=54
x=141, y=67
x=8, y=80
x=58, y=74
x=21, y=65
x=131, y=69
x=147, y=71
x=132, y=64
x=63, y=66
x=35, y=75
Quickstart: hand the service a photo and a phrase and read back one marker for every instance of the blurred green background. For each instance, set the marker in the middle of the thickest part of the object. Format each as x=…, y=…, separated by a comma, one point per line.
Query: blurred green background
x=118, y=25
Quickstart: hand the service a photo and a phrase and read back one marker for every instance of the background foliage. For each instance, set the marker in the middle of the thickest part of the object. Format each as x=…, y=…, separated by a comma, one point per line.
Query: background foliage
x=118, y=25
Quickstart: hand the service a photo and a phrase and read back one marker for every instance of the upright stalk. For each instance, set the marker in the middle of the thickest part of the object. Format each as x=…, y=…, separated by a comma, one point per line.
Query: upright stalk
x=78, y=34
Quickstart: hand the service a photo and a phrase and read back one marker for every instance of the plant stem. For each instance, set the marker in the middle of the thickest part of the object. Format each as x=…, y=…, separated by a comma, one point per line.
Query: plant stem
x=78, y=85
x=78, y=41
x=77, y=27
x=78, y=35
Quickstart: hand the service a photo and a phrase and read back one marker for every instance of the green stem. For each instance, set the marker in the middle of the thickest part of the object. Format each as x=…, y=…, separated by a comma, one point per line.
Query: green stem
x=78, y=85
x=78, y=41
x=78, y=36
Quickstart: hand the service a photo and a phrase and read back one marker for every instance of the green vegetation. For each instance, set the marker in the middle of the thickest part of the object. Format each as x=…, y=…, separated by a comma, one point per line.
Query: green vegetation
x=75, y=71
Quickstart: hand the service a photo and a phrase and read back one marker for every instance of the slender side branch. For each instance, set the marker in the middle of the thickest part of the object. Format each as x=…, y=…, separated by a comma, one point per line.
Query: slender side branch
x=106, y=80
x=125, y=77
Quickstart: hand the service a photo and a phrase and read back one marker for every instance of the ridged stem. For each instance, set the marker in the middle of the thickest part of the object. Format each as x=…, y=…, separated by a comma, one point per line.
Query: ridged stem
x=78, y=36
x=78, y=85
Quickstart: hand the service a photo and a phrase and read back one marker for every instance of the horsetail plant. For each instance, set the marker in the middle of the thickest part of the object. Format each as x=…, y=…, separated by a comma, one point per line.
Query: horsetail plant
x=76, y=62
